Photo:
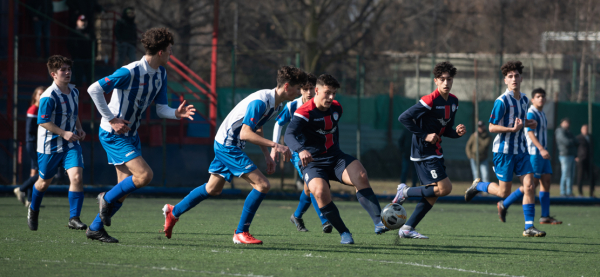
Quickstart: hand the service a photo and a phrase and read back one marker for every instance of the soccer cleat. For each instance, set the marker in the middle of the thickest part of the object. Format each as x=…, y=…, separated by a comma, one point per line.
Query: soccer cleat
x=533, y=232
x=75, y=223
x=32, y=219
x=400, y=194
x=502, y=211
x=327, y=227
x=100, y=235
x=346, y=238
x=472, y=190
x=105, y=209
x=21, y=196
x=245, y=238
x=549, y=220
x=380, y=228
x=299, y=222
x=28, y=203
x=170, y=220
x=410, y=234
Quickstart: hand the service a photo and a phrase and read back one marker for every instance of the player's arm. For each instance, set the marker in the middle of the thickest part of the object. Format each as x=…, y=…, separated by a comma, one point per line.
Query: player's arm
x=164, y=111
x=408, y=119
x=293, y=131
x=282, y=119
x=253, y=114
x=119, y=79
x=530, y=123
x=498, y=115
x=47, y=105
x=530, y=132
x=80, y=131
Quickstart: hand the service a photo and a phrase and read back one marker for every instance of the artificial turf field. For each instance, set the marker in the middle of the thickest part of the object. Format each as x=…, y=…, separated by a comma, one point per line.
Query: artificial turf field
x=465, y=240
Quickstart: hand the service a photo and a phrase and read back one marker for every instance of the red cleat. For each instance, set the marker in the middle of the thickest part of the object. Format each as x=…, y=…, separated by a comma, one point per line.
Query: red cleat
x=245, y=238
x=170, y=220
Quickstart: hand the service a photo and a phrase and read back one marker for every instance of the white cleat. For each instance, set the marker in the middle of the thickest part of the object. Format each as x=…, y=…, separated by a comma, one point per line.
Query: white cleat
x=400, y=194
x=410, y=234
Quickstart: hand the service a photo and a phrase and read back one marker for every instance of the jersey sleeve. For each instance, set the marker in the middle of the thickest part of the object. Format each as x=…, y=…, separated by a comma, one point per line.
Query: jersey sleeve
x=284, y=116
x=497, y=112
x=47, y=105
x=119, y=79
x=293, y=132
x=254, y=112
x=161, y=97
x=531, y=115
x=408, y=118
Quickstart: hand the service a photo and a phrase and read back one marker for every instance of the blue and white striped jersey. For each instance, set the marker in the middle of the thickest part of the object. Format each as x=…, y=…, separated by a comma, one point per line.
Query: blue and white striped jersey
x=254, y=111
x=62, y=110
x=506, y=110
x=135, y=86
x=539, y=132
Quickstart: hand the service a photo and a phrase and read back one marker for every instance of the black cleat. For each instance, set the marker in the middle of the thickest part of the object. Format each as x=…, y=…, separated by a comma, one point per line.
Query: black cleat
x=472, y=191
x=299, y=222
x=32, y=219
x=501, y=211
x=75, y=223
x=100, y=235
x=533, y=232
x=327, y=227
x=105, y=209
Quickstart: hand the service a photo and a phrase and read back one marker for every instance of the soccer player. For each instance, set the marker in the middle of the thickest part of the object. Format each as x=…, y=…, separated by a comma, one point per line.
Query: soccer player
x=135, y=86
x=313, y=133
x=59, y=132
x=308, y=92
x=539, y=158
x=429, y=120
x=510, y=149
x=243, y=124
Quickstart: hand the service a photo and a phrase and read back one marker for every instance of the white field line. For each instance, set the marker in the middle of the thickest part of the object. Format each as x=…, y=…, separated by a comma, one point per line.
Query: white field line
x=441, y=267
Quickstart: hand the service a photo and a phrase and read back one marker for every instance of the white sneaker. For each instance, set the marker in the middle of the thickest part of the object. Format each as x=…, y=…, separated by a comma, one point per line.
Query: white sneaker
x=21, y=196
x=411, y=234
x=400, y=194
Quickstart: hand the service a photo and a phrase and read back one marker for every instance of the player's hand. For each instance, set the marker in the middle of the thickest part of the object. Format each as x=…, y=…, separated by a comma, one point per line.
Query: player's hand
x=545, y=154
x=185, y=111
x=432, y=138
x=518, y=125
x=119, y=125
x=576, y=159
x=530, y=123
x=70, y=136
x=305, y=157
x=274, y=155
x=81, y=134
x=284, y=150
x=461, y=130
x=271, y=165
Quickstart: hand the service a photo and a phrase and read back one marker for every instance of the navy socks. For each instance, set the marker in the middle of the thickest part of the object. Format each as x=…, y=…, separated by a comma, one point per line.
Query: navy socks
x=419, y=213
x=426, y=191
x=369, y=202
x=316, y=206
x=331, y=212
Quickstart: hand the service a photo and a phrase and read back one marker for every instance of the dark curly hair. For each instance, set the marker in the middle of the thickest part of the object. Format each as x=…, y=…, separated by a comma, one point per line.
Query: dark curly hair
x=328, y=80
x=512, y=66
x=443, y=67
x=55, y=63
x=290, y=75
x=311, y=81
x=538, y=91
x=156, y=39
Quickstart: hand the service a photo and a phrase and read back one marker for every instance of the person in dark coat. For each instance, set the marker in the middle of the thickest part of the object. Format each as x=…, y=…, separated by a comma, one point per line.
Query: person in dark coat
x=585, y=164
x=126, y=35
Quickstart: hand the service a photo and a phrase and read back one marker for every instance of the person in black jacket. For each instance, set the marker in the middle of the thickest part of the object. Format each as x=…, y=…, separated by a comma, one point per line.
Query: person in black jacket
x=126, y=35
x=585, y=165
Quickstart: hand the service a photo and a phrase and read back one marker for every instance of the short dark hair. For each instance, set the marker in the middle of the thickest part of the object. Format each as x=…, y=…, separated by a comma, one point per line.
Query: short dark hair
x=328, y=80
x=565, y=119
x=442, y=67
x=156, y=39
x=55, y=63
x=311, y=81
x=538, y=91
x=290, y=75
x=512, y=66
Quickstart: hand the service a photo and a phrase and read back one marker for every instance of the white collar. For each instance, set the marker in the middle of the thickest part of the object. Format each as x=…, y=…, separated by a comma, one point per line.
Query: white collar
x=146, y=66
x=57, y=89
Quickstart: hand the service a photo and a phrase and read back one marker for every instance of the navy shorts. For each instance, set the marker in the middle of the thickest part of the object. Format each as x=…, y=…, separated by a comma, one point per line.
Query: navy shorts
x=32, y=152
x=328, y=167
x=431, y=171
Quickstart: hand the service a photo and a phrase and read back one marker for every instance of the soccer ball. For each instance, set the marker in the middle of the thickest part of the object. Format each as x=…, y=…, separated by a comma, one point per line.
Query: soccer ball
x=393, y=216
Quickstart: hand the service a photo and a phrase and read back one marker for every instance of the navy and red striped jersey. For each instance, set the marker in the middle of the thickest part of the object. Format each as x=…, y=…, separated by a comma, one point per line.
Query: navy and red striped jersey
x=314, y=130
x=432, y=114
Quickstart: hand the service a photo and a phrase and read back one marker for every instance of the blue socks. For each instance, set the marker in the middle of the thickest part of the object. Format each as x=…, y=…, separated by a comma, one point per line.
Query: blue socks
x=303, y=205
x=121, y=189
x=419, y=213
x=331, y=212
x=75, y=203
x=545, y=203
x=426, y=191
x=482, y=186
x=316, y=206
x=529, y=213
x=97, y=223
x=512, y=198
x=36, y=199
x=196, y=196
x=369, y=201
x=251, y=205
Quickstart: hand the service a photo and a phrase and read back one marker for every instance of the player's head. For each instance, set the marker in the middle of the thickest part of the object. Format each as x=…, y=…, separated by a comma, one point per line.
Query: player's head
x=584, y=129
x=308, y=89
x=538, y=97
x=444, y=76
x=290, y=79
x=158, y=42
x=325, y=90
x=512, y=71
x=59, y=68
x=565, y=123
x=35, y=97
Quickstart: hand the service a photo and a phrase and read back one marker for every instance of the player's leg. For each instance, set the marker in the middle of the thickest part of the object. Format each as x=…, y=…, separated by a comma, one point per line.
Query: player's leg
x=260, y=186
x=545, y=194
x=529, y=207
x=433, y=173
x=320, y=189
x=325, y=224
x=73, y=164
x=48, y=166
x=303, y=204
x=504, y=165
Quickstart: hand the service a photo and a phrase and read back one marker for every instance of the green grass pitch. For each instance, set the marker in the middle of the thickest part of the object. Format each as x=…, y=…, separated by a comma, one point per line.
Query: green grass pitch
x=465, y=240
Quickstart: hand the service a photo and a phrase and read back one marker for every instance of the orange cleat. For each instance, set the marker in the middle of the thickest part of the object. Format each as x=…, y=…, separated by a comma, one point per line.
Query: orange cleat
x=170, y=220
x=549, y=220
x=245, y=238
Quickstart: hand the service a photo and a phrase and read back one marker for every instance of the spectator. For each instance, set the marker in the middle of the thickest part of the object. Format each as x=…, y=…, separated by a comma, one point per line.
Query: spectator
x=567, y=148
x=585, y=165
x=41, y=26
x=126, y=34
x=80, y=48
x=471, y=149
x=405, y=144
